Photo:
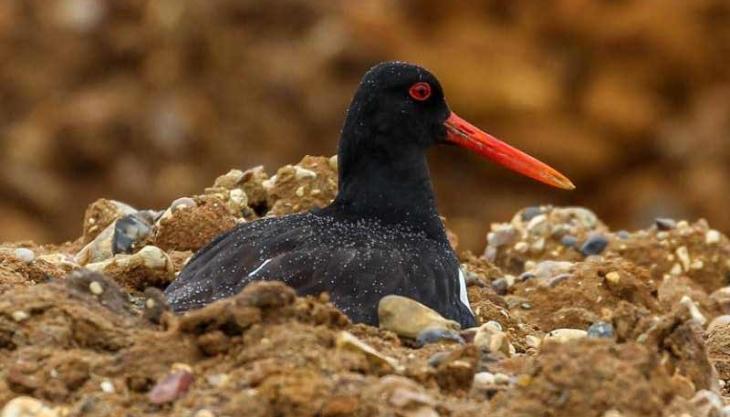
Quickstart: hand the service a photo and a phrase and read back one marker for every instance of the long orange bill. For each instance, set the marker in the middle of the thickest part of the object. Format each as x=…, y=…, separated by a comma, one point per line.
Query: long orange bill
x=464, y=134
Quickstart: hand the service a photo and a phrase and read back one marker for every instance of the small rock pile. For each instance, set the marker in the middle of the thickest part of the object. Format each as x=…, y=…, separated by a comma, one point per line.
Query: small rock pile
x=575, y=319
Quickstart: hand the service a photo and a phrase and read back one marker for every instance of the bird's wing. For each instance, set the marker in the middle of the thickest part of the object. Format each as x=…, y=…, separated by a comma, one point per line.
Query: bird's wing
x=235, y=258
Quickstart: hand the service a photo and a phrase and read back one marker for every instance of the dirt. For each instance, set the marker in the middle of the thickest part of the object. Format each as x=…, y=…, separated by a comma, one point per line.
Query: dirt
x=75, y=342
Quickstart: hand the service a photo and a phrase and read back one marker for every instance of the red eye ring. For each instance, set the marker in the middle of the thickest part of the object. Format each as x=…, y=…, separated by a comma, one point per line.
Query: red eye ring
x=420, y=91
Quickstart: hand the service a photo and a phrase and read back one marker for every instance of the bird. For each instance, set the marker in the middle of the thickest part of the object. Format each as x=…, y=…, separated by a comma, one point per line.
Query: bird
x=382, y=234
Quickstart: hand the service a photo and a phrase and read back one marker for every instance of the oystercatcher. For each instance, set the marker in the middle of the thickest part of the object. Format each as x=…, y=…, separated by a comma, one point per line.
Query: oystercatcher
x=382, y=234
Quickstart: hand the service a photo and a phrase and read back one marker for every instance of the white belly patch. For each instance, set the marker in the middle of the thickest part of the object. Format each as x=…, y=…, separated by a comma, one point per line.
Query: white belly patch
x=463, y=296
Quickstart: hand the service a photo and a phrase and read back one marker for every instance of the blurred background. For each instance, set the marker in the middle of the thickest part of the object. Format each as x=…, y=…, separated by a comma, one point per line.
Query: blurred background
x=147, y=100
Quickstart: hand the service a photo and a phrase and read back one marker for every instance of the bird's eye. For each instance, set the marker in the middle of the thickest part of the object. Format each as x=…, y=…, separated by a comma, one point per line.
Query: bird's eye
x=420, y=91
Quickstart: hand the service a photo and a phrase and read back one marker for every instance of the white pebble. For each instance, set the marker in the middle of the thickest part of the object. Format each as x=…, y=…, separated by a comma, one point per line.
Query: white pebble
x=501, y=379
x=107, y=386
x=522, y=247
x=694, y=312
x=565, y=335
x=302, y=173
x=483, y=379
x=95, y=288
x=712, y=236
x=683, y=255
x=20, y=315
x=24, y=254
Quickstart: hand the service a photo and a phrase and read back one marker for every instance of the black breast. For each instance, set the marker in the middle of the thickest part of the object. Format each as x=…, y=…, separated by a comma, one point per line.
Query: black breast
x=356, y=261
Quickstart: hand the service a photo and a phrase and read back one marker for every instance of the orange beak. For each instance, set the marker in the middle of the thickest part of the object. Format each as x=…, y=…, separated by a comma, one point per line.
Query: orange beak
x=466, y=135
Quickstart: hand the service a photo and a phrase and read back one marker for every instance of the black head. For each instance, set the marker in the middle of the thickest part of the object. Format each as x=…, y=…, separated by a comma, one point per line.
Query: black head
x=397, y=105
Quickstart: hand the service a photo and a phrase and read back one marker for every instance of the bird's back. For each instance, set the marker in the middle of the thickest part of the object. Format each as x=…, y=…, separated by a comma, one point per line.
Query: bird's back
x=356, y=261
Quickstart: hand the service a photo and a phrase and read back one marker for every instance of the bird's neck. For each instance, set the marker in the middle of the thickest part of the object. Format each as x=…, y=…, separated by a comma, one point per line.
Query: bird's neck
x=391, y=185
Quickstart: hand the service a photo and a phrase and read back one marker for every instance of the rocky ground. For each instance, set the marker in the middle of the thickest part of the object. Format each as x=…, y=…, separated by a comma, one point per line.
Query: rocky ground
x=575, y=320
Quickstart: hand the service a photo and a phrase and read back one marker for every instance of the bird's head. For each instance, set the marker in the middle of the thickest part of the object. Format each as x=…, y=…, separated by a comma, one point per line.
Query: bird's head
x=400, y=107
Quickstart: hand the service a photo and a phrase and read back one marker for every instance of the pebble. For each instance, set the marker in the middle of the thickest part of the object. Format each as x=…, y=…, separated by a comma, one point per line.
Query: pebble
x=483, y=380
x=664, y=223
x=129, y=230
x=490, y=338
x=565, y=335
x=623, y=234
x=24, y=254
x=538, y=225
x=30, y=407
x=594, y=245
x=303, y=173
x=533, y=341
x=171, y=387
x=107, y=386
x=569, y=241
x=530, y=213
x=548, y=269
x=683, y=255
x=184, y=202
x=500, y=286
x=95, y=288
x=408, y=318
x=712, y=236
x=601, y=330
x=694, y=311
x=203, y=413
x=20, y=315
x=347, y=341
x=613, y=277
x=521, y=247
x=502, y=234
x=501, y=379
x=432, y=335
x=229, y=180
x=333, y=163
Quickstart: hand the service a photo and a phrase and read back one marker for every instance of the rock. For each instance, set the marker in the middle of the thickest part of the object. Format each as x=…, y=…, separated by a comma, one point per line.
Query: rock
x=434, y=335
x=100, y=214
x=128, y=231
x=149, y=266
x=230, y=180
x=601, y=329
x=663, y=223
x=501, y=235
x=31, y=407
x=491, y=339
x=694, y=311
x=24, y=254
x=483, y=381
x=121, y=236
x=548, y=269
x=530, y=213
x=712, y=237
x=408, y=318
x=565, y=335
x=594, y=245
x=569, y=241
x=346, y=341
x=171, y=387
